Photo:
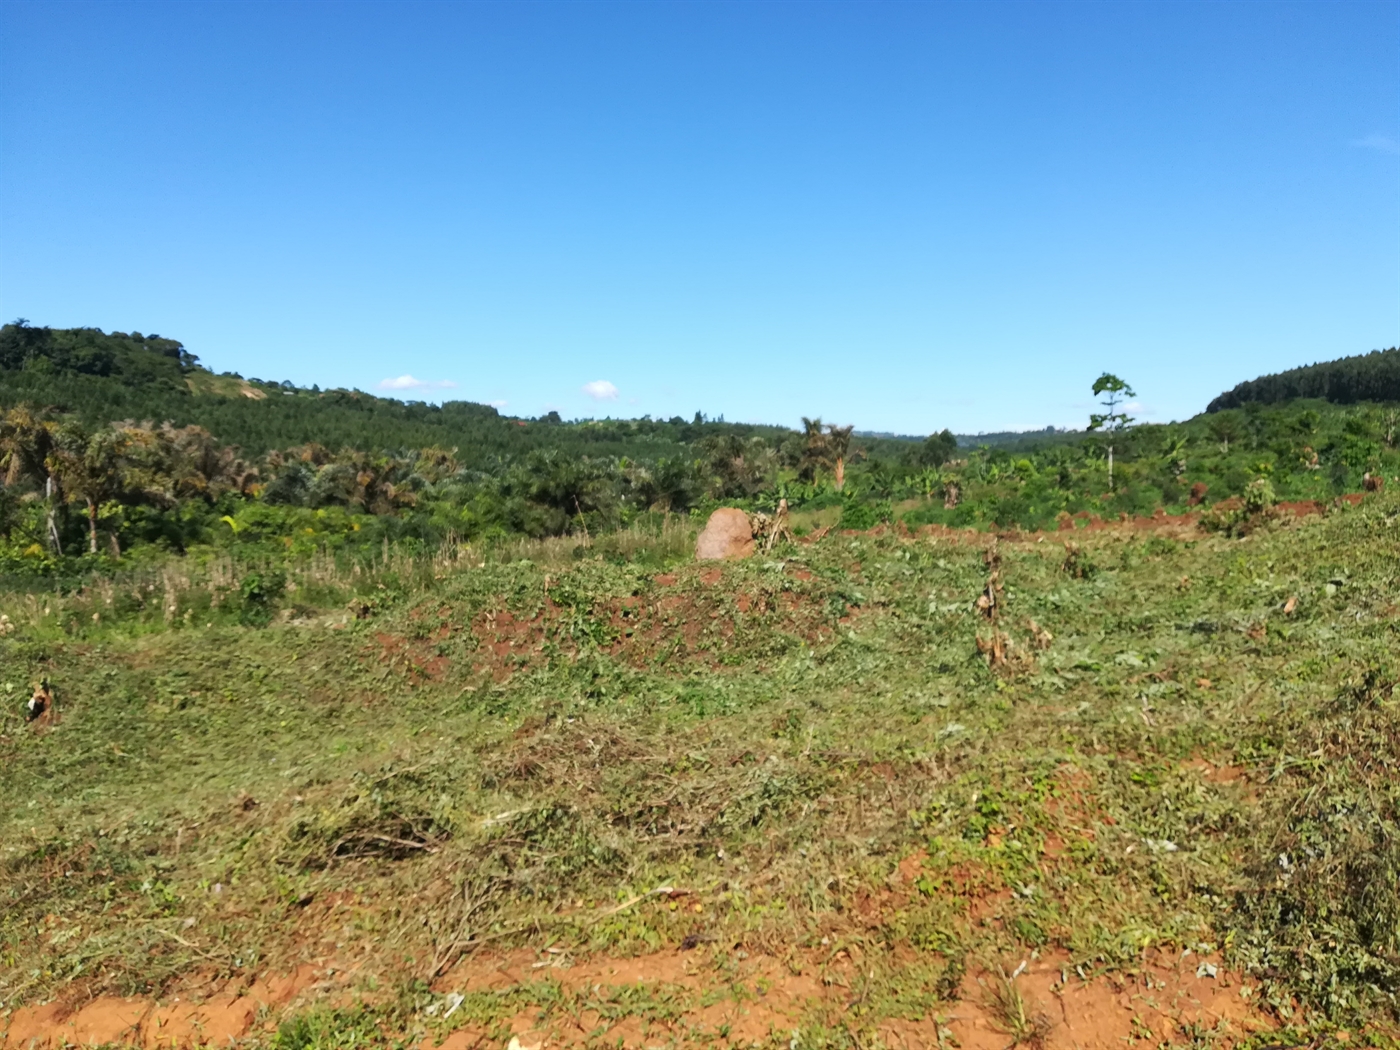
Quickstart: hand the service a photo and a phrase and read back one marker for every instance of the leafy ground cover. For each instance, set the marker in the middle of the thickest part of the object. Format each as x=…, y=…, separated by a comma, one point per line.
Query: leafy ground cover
x=883, y=789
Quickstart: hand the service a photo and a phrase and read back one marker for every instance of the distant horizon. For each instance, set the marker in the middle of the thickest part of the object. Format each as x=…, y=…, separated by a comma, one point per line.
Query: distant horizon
x=860, y=431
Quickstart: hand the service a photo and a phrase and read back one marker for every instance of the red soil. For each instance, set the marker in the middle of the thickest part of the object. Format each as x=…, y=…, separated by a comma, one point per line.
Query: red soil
x=1159, y=999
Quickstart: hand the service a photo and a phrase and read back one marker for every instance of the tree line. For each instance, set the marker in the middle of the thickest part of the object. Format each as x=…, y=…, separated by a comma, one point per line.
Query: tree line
x=68, y=485
x=345, y=469
x=1346, y=381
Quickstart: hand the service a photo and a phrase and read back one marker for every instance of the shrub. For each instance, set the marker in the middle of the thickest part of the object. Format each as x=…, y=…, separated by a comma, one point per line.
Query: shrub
x=260, y=592
x=861, y=514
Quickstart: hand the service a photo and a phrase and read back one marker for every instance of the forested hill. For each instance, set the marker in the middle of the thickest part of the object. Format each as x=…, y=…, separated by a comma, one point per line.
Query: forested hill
x=103, y=377
x=1346, y=381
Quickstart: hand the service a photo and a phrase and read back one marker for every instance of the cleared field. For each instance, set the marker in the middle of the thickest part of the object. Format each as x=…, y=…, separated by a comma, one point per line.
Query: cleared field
x=875, y=790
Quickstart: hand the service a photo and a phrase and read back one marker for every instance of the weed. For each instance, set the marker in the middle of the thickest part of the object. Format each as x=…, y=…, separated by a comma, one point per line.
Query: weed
x=329, y=1030
x=1009, y=1010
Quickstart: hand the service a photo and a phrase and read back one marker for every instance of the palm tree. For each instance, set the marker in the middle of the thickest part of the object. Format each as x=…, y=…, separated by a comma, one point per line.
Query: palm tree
x=738, y=467
x=27, y=441
x=825, y=447
x=814, y=449
x=838, y=443
x=91, y=469
x=196, y=464
x=435, y=464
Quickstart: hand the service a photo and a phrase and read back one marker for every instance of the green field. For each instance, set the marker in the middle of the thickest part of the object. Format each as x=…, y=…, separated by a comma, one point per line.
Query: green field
x=825, y=765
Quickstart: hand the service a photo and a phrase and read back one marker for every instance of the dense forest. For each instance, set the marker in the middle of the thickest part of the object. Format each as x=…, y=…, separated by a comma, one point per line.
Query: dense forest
x=120, y=446
x=1346, y=381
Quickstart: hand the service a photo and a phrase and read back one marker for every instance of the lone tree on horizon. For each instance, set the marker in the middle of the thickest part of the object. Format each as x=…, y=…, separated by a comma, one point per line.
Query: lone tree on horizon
x=1112, y=392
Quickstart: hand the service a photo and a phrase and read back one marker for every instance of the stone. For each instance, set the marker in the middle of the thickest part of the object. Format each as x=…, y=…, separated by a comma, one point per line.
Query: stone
x=727, y=536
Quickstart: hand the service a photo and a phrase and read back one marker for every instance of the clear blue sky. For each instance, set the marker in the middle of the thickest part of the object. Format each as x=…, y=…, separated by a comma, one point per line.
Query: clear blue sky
x=903, y=216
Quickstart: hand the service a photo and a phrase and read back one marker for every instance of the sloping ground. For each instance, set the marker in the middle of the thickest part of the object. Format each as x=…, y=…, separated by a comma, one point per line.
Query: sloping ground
x=836, y=798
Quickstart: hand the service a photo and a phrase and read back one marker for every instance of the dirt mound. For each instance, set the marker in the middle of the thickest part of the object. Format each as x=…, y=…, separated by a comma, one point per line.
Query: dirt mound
x=727, y=536
x=687, y=617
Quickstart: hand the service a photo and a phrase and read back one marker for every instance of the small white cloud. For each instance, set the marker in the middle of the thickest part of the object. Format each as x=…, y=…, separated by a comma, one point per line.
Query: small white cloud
x=600, y=390
x=408, y=382
x=498, y=404
x=1382, y=143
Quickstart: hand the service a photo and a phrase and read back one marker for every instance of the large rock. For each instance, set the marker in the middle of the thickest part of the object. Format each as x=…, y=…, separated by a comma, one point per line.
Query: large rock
x=726, y=537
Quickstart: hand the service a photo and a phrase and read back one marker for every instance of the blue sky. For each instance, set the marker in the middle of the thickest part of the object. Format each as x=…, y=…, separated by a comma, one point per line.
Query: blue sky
x=903, y=216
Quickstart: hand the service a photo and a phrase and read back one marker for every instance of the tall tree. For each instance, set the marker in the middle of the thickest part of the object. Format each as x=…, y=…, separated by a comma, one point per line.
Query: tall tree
x=814, y=455
x=1112, y=393
x=738, y=467
x=936, y=449
x=1224, y=428
x=825, y=447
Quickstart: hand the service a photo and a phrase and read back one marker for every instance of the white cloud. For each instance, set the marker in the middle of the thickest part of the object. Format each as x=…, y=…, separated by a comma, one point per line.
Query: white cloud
x=498, y=404
x=1383, y=143
x=408, y=382
x=600, y=390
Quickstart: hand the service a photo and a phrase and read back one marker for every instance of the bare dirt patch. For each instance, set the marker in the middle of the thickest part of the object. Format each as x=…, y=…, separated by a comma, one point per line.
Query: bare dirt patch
x=694, y=625
x=223, y=1018
x=1164, y=1000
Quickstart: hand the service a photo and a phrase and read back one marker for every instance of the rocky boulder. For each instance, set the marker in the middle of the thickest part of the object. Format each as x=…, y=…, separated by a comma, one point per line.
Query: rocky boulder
x=727, y=536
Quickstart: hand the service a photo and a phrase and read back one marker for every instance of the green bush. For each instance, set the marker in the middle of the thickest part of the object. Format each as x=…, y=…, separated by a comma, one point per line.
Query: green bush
x=861, y=514
x=260, y=592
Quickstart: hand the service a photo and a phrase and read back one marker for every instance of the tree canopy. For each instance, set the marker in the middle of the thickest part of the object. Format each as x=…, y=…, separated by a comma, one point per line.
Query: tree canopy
x=1346, y=381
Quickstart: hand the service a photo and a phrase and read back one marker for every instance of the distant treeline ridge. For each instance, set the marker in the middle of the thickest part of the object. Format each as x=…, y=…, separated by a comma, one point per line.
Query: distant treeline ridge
x=1346, y=381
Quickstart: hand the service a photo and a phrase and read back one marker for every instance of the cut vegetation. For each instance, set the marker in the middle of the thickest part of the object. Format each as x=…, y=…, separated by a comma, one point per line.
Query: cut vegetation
x=1098, y=787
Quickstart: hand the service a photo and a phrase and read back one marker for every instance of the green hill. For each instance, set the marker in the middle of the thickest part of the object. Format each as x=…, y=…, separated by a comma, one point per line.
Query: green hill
x=1346, y=381
x=102, y=377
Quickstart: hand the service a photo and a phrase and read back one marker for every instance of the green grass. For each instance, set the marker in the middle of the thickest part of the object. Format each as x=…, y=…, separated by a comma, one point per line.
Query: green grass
x=405, y=790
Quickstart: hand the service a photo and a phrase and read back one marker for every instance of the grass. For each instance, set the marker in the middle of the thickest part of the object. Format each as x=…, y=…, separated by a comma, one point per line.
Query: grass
x=404, y=766
x=1014, y=1017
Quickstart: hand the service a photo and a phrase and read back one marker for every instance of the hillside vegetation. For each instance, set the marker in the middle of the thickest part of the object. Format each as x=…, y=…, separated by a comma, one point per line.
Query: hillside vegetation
x=1365, y=377
x=118, y=446
x=98, y=378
